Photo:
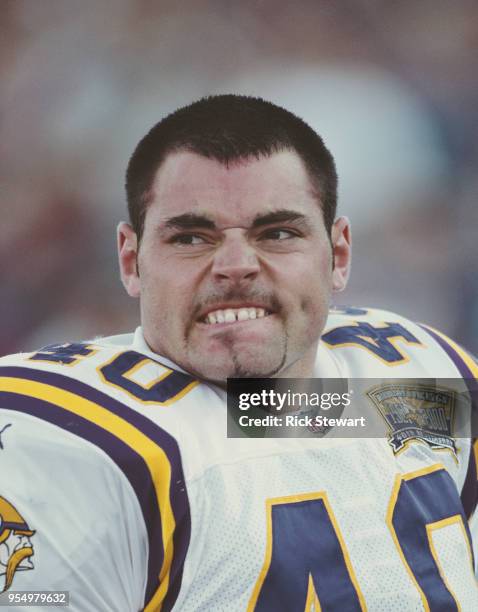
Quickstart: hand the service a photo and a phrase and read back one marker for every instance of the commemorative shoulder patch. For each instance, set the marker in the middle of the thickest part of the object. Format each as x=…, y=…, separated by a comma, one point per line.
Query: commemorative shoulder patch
x=416, y=412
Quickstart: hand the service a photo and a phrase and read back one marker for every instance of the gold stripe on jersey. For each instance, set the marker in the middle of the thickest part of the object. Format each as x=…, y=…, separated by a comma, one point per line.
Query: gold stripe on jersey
x=153, y=455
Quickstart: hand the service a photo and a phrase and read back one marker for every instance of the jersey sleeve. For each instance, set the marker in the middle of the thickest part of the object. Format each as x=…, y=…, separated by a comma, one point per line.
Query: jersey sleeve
x=92, y=496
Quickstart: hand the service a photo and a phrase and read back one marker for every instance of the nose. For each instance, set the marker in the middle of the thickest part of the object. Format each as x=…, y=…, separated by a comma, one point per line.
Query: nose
x=235, y=260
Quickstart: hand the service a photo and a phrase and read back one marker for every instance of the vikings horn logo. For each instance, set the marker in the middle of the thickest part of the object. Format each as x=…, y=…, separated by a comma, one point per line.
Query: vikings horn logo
x=16, y=548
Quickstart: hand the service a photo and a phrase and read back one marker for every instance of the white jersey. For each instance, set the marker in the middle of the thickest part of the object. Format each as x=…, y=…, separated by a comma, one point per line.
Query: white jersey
x=119, y=484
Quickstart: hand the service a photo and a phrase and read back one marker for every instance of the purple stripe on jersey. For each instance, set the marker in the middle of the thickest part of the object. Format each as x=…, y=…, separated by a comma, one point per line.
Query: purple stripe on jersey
x=130, y=462
x=469, y=492
x=143, y=487
x=450, y=351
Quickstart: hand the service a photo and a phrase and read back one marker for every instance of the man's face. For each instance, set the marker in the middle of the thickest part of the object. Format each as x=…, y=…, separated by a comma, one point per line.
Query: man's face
x=235, y=266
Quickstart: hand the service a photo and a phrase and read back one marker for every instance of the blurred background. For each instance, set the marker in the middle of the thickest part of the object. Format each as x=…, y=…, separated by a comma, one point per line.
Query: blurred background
x=391, y=87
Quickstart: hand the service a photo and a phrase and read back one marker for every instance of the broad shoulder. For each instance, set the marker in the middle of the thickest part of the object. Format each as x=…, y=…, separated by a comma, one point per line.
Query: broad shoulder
x=374, y=342
x=114, y=365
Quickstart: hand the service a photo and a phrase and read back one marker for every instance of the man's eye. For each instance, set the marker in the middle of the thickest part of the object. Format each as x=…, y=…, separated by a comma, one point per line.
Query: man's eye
x=188, y=239
x=278, y=234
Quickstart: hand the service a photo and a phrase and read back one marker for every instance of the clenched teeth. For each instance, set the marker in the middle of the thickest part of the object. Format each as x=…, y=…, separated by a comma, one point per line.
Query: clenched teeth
x=230, y=315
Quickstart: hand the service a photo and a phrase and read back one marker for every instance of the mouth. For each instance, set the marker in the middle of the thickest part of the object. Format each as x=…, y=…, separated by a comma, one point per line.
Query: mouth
x=236, y=314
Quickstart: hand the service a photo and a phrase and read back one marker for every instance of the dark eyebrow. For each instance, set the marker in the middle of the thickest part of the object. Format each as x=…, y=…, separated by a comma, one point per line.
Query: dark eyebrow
x=278, y=216
x=190, y=220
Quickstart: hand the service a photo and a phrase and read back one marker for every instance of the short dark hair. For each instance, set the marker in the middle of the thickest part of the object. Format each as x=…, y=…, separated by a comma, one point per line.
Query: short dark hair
x=228, y=128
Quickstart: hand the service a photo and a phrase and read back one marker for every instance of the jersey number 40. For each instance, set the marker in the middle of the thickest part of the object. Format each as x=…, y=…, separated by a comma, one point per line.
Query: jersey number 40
x=307, y=564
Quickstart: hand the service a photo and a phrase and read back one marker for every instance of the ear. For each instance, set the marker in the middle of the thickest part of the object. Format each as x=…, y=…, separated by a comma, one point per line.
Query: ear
x=128, y=258
x=341, y=252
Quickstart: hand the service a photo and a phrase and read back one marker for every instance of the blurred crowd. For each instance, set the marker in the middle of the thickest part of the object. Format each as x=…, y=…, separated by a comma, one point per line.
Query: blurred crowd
x=390, y=85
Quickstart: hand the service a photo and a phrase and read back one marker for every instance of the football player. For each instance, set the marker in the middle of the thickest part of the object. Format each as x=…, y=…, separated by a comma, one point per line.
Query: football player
x=116, y=455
